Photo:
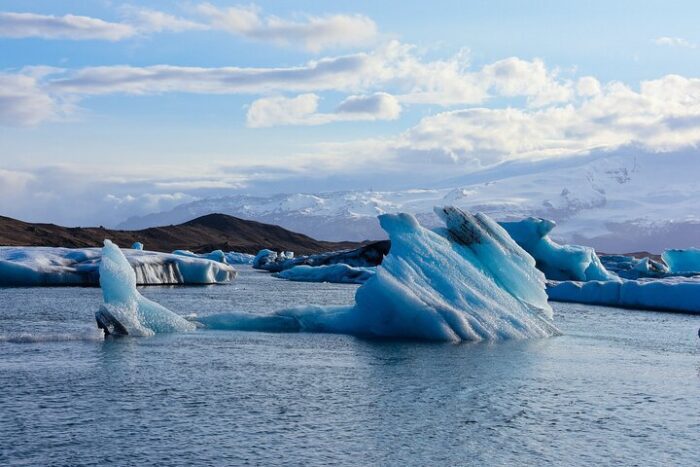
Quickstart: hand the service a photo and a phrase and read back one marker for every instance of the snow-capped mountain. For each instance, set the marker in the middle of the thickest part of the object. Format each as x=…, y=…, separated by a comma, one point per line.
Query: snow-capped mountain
x=615, y=203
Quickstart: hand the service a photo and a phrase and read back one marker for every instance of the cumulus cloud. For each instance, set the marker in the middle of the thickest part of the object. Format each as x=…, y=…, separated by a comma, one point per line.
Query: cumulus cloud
x=23, y=25
x=674, y=42
x=315, y=33
x=302, y=110
x=664, y=115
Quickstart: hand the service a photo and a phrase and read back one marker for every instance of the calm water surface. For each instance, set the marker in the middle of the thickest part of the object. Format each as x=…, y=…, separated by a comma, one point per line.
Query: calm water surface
x=620, y=387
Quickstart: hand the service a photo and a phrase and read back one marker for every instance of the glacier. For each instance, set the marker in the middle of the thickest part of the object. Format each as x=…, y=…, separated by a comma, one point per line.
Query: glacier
x=336, y=273
x=558, y=262
x=682, y=261
x=466, y=281
x=125, y=311
x=52, y=266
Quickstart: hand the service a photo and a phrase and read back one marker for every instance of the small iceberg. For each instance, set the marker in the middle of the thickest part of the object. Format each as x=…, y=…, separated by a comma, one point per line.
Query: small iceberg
x=48, y=266
x=682, y=261
x=629, y=267
x=467, y=281
x=333, y=273
x=558, y=262
x=125, y=311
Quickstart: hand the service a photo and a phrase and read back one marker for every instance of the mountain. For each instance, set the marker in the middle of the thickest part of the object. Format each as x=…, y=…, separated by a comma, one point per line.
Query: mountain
x=627, y=201
x=203, y=234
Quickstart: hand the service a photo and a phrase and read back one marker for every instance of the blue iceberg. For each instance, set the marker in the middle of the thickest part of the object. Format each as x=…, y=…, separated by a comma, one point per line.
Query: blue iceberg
x=48, y=266
x=125, y=311
x=685, y=261
x=335, y=273
x=464, y=282
x=680, y=294
x=558, y=262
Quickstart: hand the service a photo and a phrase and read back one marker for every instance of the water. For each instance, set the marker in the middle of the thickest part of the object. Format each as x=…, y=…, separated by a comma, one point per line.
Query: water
x=620, y=387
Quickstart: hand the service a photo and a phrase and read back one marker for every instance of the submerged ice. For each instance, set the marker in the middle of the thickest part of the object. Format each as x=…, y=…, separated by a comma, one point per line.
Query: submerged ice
x=125, y=310
x=466, y=281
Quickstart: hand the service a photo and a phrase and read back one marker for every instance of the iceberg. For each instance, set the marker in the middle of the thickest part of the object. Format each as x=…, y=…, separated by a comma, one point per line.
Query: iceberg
x=681, y=294
x=629, y=267
x=558, y=262
x=686, y=261
x=366, y=256
x=234, y=257
x=335, y=273
x=137, y=246
x=48, y=266
x=467, y=281
x=125, y=311
x=266, y=259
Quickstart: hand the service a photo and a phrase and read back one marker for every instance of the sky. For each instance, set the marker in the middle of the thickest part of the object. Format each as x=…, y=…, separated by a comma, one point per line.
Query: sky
x=111, y=109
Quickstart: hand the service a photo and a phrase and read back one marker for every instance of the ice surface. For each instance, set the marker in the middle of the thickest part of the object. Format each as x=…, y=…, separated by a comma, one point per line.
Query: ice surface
x=135, y=313
x=137, y=246
x=336, y=273
x=671, y=293
x=467, y=281
x=558, y=262
x=46, y=266
x=684, y=261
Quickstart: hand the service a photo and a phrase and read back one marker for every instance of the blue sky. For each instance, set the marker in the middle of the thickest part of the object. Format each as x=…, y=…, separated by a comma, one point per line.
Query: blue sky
x=131, y=107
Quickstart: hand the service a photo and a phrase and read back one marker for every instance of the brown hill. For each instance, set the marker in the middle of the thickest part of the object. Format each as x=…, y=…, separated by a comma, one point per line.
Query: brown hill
x=203, y=234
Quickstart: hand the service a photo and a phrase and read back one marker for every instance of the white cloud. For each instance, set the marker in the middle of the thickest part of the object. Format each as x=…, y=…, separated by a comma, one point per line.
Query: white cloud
x=146, y=20
x=13, y=182
x=663, y=115
x=674, y=42
x=23, y=102
x=23, y=25
x=516, y=77
x=302, y=110
x=315, y=33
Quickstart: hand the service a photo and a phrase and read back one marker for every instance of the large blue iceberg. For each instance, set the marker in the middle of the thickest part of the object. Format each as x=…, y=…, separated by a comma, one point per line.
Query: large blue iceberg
x=125, y=311
x=558, y=262
x=464, y=282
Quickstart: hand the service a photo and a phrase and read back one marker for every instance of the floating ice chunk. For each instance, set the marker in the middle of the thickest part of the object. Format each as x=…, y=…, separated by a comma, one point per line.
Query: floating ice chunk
x=45, y=266
x=369, y=255
x=629, y=267
x=468, y=281
x=216, y=255
x=125, y=310
x=685, y=261
x=336, y=273
x=234, y=257
x=671, y=293
x=558, y=262
x=263, y=258
x=137, y=246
